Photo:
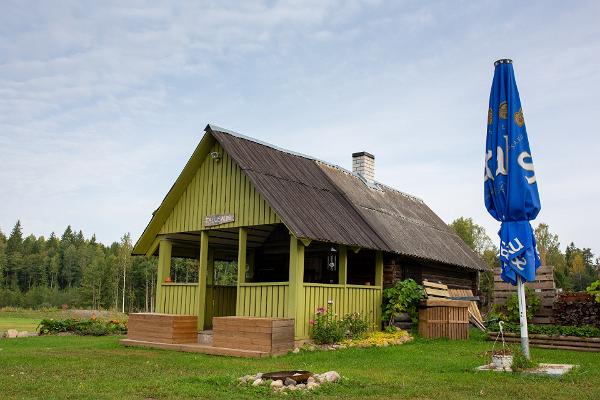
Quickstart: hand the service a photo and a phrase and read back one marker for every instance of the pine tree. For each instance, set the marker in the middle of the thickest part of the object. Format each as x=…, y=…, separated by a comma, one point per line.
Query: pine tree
x=14, y=256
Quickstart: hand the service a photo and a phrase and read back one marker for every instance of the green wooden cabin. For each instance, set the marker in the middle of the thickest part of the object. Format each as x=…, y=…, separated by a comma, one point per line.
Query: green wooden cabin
x=302, y=231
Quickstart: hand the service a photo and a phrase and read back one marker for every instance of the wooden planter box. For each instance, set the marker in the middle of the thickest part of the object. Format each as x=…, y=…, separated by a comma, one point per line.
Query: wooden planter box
x=271, y=335
x=554, y=342
x=444, y=319
x=163, y=328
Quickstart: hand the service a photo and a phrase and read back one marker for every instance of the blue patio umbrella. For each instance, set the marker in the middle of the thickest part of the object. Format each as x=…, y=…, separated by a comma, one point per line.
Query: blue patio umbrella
x=511, y=192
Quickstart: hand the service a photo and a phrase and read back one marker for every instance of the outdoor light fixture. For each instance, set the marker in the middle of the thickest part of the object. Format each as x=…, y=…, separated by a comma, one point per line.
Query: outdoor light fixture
x=331, y=260
x=216, y=156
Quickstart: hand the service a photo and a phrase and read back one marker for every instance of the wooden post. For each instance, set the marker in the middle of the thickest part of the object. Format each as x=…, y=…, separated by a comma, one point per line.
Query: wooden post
x=295, y=307
x=343, y=266
x=379, y=268
x=202, y=275
x=164, y=270
x=241, y=265
x=379, y=283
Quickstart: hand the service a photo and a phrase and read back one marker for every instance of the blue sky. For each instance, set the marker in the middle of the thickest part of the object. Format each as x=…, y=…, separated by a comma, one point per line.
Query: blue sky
x=101, y=103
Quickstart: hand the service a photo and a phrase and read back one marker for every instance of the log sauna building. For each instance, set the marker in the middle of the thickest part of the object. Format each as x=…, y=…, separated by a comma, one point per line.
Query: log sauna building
x=302, y=232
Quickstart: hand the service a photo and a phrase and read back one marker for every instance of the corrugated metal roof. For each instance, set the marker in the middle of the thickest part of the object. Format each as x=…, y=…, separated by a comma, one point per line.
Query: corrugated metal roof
x=320, y=201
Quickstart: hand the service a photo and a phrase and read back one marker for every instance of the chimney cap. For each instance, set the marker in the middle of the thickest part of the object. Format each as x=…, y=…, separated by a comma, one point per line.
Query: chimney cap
x=363, y=153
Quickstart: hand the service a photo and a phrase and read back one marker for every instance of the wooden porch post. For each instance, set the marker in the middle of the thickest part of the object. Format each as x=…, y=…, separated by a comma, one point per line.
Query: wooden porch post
x=241, y=264
x=379, y=268
x=202, y=276
x=379, y=283
x=295, y=306
x=343, y=266
x=164, y=270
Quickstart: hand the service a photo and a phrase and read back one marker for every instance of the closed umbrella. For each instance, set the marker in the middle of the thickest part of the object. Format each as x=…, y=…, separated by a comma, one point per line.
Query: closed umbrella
x=511, y=192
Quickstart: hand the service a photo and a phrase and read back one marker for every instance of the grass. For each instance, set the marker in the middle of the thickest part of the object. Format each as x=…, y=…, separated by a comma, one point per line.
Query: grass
x=28, y=320
x=99, y=368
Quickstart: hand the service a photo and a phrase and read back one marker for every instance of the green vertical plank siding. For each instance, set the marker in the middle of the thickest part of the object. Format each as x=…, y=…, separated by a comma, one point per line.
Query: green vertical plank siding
x=219, y=188
x=176, y=298
x=262, y=300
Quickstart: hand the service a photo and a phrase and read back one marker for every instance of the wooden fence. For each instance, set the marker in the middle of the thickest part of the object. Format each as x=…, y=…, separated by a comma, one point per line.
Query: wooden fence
x=543, y=287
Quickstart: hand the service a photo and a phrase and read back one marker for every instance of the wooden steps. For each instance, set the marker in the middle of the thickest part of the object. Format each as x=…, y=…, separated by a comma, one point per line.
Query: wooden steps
x=195, y=348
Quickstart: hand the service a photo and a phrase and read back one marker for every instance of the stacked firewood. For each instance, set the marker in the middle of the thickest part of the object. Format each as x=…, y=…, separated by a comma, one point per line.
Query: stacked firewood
x=576, y=309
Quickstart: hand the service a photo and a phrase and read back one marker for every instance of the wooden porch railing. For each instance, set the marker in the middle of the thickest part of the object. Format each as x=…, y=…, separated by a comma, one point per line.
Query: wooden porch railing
x=346, y=299
x=263, y=299
x=178, y=298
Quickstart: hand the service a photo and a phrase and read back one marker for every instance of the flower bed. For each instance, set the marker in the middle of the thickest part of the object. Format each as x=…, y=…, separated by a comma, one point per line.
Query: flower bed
x=84, y=327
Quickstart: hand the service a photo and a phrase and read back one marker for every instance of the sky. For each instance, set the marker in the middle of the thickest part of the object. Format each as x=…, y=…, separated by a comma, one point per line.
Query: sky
x=102, y=103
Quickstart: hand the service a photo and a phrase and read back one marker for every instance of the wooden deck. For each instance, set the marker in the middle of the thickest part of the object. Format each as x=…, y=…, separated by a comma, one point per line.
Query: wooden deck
x=232, y=336
x=196, y=348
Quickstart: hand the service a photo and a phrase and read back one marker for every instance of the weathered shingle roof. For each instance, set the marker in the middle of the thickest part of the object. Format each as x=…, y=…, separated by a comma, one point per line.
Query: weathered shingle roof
x=321, y=201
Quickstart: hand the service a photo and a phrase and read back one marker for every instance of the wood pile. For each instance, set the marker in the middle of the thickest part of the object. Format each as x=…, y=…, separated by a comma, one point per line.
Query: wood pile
x=543, y=287
x=554, y=342
x=576, y=309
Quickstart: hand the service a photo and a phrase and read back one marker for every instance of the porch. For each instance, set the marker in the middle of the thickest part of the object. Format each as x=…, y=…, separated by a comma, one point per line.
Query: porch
x=284, y=277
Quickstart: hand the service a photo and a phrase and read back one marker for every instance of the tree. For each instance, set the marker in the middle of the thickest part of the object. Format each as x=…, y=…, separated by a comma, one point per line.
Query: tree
x=472, y=234
x=14, y=256
x=124, y=262
x=2, y=258
x=547, y=242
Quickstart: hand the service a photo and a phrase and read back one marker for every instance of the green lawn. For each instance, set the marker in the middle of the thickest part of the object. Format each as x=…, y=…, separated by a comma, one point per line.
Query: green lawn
x=99, y=368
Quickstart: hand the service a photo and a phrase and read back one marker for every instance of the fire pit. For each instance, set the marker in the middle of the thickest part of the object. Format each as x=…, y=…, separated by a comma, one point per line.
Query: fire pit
x=298, y=376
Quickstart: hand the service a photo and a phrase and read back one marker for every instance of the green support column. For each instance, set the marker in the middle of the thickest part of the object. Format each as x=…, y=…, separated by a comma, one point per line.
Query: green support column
x=379, y=269
x=379, y=282
x=343, y=265
x=202, y=275
x=295, y=308
x=164, y=270
x=241, y=277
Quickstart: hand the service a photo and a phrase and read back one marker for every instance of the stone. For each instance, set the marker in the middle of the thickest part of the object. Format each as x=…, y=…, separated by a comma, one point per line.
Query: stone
x=296, y=350
x=23, y=334
x=332, y=376
x=277, y=384
x=259, y=375
x=12, y=333
x=301, y=386
x=257, y=382
x=310, y=379
x=312, y=385
x=289, y=381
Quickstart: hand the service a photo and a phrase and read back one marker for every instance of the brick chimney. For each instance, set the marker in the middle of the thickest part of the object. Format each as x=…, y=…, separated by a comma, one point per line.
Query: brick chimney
x=363, y=164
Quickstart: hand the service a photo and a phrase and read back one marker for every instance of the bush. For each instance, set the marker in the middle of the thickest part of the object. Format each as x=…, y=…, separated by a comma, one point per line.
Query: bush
x=86, y=327
x=550, y=330
x=512, y=305
x=594, y=290
x=403, y=297
x=520, y=362
x=327, y=329
x=354, y=326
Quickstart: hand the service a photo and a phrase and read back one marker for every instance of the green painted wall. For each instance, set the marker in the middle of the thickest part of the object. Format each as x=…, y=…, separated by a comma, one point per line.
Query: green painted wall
x=218, y=188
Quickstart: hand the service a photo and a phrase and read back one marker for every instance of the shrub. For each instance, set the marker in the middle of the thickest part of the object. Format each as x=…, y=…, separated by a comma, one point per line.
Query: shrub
x=594, y=290
x=354, y=326
x=326, y=328
x=403, y=297
x=512, y=305
x=86, y=327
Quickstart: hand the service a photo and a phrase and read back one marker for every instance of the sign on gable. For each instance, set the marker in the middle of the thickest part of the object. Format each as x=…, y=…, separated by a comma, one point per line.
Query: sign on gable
x=218, y=219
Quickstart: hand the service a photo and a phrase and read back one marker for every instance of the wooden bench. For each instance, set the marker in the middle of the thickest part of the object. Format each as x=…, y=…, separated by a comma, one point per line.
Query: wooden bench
x=163, y=328
x=270, y=335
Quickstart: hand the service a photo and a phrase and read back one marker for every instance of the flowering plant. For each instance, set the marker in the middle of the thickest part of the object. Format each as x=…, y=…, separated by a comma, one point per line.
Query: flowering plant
x=327, y=328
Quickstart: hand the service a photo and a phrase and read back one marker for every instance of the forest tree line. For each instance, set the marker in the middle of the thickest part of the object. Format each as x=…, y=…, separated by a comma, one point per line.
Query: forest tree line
x=574, y=269
x=77, y=271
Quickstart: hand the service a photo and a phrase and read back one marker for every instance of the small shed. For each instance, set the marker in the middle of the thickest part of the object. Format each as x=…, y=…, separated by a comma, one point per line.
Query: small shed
x=301, y=232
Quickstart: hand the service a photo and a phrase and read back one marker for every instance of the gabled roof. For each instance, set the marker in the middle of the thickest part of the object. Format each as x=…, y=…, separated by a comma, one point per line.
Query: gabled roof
x=320, y=201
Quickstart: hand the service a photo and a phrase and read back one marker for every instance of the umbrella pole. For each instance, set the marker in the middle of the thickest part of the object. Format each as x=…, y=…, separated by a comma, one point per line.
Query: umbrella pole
x=523, y=317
